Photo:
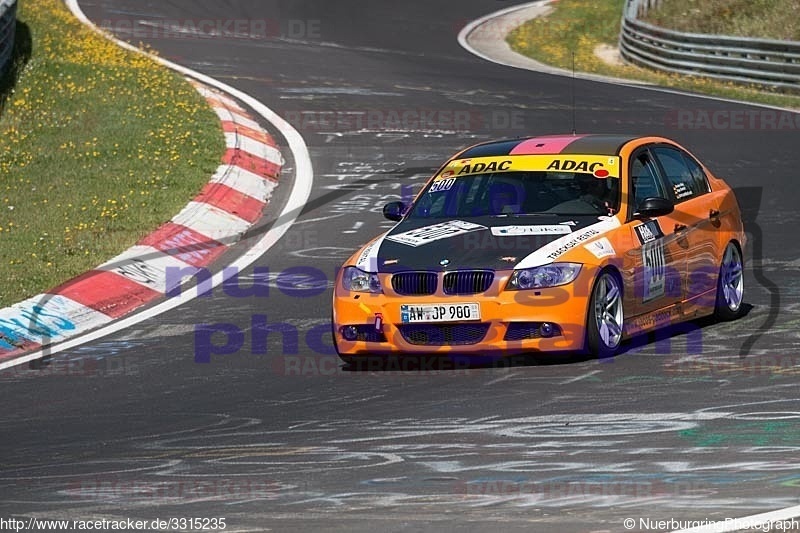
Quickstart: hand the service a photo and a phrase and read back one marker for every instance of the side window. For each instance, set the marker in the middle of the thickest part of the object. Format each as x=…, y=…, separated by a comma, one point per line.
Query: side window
x=698, y=176
x=644, y=180
x=679, y=175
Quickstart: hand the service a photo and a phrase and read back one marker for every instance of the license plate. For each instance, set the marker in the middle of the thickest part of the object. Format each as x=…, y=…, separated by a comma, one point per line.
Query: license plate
x=440, y=312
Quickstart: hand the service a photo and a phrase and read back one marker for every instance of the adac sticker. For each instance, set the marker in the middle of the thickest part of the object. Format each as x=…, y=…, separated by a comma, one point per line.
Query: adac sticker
x=597, y=165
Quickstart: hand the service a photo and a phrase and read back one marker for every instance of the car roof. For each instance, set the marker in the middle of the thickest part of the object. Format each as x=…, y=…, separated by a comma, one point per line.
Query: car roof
x=595, y=144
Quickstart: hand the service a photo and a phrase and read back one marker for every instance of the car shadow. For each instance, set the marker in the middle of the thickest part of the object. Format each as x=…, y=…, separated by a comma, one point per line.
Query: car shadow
x=447, y=363
x=669, y=332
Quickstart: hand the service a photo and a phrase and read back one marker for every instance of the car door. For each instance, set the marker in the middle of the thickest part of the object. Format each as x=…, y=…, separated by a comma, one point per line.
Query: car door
x=696, y=215
x=657, y=257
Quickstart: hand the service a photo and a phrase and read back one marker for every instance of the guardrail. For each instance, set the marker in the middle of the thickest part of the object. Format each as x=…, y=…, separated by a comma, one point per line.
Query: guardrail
x=740, y=59
x=8, y=24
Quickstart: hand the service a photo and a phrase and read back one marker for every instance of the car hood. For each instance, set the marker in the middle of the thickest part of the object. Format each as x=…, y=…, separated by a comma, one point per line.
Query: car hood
x=495, y=243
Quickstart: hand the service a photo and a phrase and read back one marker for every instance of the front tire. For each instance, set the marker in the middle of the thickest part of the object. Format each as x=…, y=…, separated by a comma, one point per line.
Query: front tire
x=730, y=285
x=605, y=321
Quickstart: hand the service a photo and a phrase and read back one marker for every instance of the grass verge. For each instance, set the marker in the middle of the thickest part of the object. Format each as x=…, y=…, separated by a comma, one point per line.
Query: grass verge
x=98, y=146
x=765, y=19
x=580, y=26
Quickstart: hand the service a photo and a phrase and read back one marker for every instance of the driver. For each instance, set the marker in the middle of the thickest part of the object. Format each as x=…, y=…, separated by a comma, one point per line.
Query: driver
x=593, y=191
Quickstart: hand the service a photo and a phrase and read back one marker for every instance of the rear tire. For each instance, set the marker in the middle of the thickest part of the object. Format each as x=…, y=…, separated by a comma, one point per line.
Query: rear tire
x=605, y=320
x=730, y=285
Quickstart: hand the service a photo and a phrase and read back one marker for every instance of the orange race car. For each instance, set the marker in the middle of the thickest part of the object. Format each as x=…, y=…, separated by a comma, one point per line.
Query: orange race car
x=545, y=244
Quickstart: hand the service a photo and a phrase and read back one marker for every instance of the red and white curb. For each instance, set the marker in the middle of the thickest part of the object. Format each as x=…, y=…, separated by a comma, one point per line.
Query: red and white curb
x=232, y=201
x=50, y=317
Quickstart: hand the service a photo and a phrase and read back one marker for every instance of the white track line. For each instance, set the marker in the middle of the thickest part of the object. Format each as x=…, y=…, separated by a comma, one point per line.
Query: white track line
x=304, y=179
x=747, y=522
x=756, y=522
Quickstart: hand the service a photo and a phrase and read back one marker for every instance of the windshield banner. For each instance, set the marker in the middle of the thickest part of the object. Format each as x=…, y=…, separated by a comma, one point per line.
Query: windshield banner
x=600, y=166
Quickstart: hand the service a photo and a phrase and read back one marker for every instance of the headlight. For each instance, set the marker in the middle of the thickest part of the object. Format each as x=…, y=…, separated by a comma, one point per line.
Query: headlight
x=540, y=277
x=355, y=279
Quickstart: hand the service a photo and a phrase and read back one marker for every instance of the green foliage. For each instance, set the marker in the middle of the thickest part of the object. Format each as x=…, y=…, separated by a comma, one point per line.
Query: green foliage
x=98, y=146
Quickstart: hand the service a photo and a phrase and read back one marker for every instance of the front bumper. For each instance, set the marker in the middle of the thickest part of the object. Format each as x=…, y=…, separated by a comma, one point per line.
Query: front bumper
x=508, y=323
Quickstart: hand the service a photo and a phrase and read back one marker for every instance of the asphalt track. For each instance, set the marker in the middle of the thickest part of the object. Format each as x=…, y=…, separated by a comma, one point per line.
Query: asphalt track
x=700, y=425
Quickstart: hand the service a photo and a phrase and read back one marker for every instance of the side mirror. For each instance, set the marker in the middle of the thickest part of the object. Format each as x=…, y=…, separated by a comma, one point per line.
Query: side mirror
x=394, y=211
x=654, y=207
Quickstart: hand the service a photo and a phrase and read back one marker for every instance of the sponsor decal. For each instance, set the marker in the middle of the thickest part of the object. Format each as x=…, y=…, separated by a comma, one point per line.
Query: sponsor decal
x=660, y=316
x=426, y=234
x=599, y=166
x=138, y=270
x=44, y=318
x=509, y=231
x=681, y=190
x=653, y=259
x=648, y=232
x=572, y=243
x=144, y=265
x=549, y=252
x=601, y=248
x=185, y=246
x=367, y=259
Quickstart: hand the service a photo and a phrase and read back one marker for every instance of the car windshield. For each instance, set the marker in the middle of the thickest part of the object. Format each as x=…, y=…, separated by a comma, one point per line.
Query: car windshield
x=525, y=193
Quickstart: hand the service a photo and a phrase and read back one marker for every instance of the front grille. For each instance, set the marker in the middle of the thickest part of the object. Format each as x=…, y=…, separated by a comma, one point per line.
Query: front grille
x=467, y=281
x=367, y=333
x=443, y=334
x=414, y=283
x=519, y=331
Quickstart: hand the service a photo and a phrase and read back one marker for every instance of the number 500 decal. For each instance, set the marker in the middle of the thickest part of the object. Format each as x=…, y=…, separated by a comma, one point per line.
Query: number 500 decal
x=654, y=270
x=442, y=185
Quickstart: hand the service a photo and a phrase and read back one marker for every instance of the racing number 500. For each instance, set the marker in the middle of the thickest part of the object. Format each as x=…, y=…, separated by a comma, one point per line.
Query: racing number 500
x=654, y=270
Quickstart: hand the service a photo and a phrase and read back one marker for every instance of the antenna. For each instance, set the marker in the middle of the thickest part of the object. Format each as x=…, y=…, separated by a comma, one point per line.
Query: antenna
x=573, y=92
